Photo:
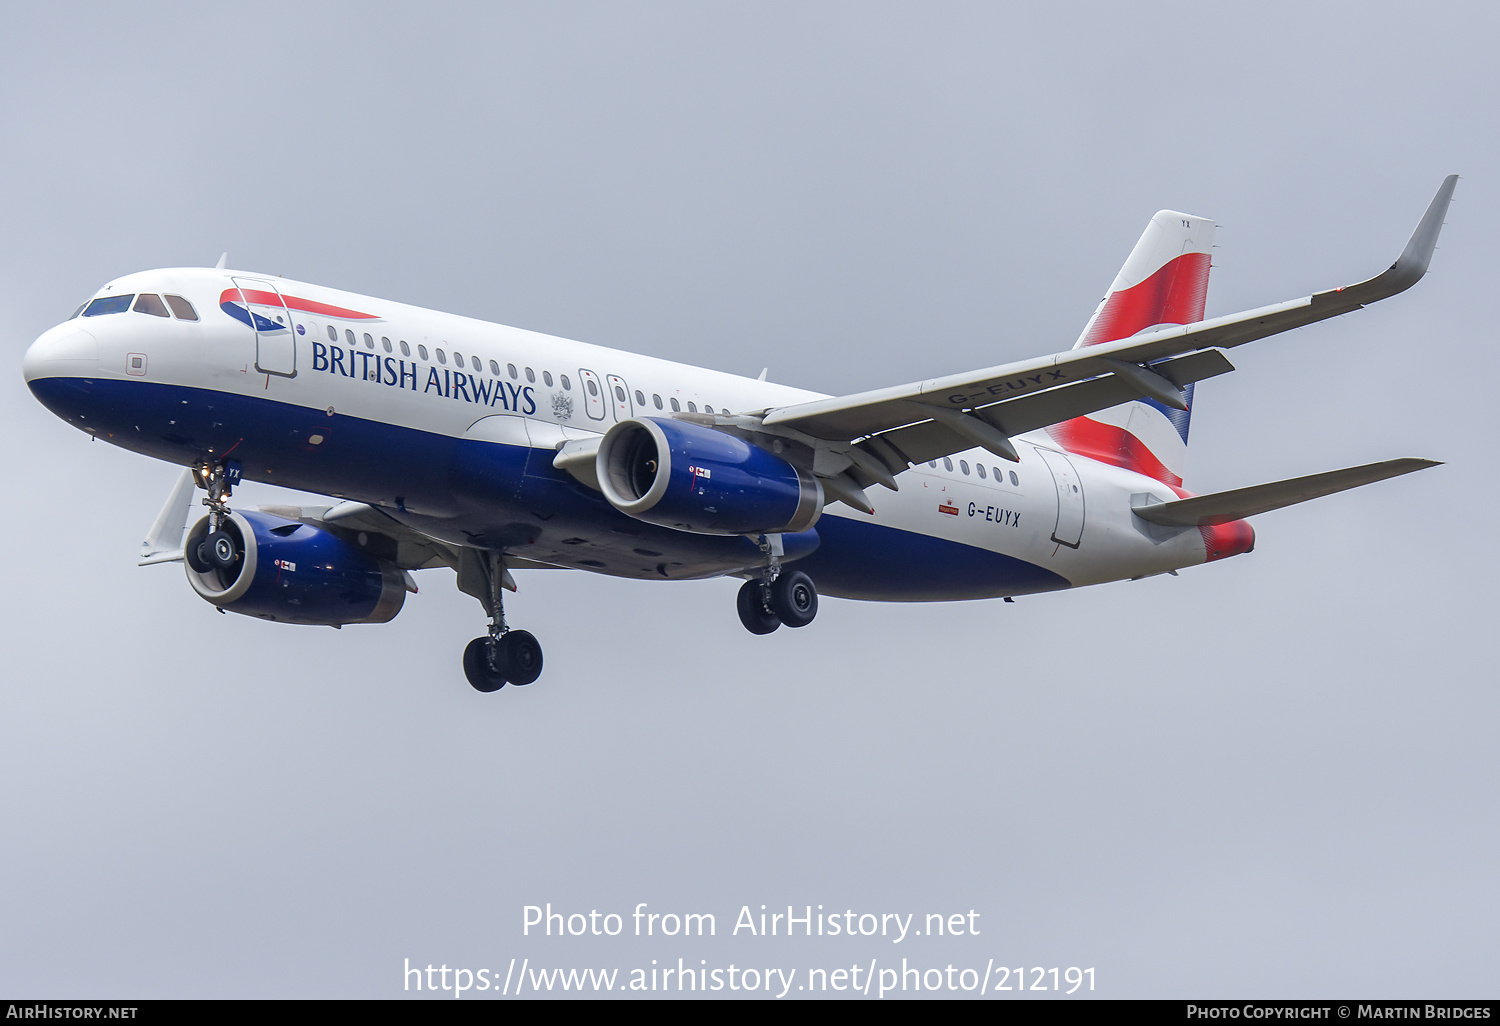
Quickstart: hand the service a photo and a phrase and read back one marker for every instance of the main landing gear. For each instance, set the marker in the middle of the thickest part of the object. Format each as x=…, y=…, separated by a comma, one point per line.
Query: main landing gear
x=777, y=596
x=503, y=656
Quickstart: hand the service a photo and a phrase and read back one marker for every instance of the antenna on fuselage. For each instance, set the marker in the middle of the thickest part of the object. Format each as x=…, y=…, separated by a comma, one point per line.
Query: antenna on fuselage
x=223, y=261
x=762, y=374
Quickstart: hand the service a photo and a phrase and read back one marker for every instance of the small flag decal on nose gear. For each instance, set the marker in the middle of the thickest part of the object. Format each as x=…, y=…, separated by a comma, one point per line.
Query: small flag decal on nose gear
x=947, y=507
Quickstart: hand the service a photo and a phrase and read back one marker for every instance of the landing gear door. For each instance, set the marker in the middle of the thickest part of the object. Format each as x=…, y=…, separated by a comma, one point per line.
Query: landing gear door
x=275, y=344
x=1069, y=529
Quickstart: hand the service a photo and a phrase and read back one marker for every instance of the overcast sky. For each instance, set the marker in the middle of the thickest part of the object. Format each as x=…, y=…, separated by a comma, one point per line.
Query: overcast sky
x=1270, y=776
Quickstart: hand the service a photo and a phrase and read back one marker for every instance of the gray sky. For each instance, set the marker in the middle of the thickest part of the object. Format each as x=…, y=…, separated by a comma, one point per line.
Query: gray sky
x=1270, y=776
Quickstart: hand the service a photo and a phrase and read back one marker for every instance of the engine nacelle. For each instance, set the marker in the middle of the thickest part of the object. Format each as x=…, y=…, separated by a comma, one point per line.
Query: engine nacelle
x=289, y=572
x=690, y=477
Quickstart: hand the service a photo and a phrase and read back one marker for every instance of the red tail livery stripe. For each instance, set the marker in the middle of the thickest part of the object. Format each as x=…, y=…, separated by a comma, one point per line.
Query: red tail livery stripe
x=1107, y=443
x=1174, y=294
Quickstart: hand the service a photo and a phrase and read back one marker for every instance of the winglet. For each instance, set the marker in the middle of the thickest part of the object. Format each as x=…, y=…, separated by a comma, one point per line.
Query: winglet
x=1413, y=261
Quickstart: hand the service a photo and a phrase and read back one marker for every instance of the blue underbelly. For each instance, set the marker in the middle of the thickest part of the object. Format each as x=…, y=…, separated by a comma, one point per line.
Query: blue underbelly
x=492, y=495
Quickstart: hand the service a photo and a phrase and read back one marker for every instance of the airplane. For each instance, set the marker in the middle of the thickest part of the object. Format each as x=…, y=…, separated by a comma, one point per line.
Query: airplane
x=447, y=441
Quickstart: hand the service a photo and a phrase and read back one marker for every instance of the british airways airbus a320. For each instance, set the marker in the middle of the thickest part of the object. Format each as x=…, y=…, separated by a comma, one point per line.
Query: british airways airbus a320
x=446, y=441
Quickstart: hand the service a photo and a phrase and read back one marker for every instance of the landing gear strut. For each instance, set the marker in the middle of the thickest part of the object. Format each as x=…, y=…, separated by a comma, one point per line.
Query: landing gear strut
x=503, y=656
x=777, y=596
x=219, y=549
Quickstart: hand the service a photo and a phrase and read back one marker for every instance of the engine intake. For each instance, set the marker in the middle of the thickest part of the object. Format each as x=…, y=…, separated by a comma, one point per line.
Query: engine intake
x=695, y=478
x=277, y=569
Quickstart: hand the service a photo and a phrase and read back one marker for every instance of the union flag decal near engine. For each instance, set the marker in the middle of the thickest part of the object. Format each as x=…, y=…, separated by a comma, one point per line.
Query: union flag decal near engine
x=446, y=442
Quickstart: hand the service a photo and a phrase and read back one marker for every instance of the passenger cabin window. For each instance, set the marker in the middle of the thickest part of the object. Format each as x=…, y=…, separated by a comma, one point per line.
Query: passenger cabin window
x=182, y=308
x=108, y=305
x=676, y=406
x=640, y=400
x=980, y=467
x=494, y=368
x=349, y=336
x=932, y=464
x=405, y=349
x=531, y=375
x=458, y=358
x=442, y=357
x=1014, y=479
x=369, y=342
x=150, y=303
x=619, y=393
x=707, y=408
x=546, y=377
x=947, y=464
x=566, y=384
x=512, y=368
x=422, y=351
x=593, y=388
x=656, y=399
x=692, y=408
x=964, y=466
x=333, y=333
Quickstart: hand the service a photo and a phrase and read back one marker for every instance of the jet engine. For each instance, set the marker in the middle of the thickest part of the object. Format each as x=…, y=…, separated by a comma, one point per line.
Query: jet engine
x=278, y=569
x=691, y=477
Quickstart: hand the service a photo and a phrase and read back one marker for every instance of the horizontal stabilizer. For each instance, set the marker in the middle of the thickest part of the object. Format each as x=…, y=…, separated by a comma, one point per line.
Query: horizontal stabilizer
x=1222, y=507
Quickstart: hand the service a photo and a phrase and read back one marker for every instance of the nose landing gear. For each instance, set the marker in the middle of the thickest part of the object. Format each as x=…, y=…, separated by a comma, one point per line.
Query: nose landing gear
x=219, y=549
x=503, y=656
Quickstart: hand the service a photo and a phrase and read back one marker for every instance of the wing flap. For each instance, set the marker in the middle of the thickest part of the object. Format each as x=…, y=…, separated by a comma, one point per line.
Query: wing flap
x=1222, y=507
x=1017, y=416
x=930, y=440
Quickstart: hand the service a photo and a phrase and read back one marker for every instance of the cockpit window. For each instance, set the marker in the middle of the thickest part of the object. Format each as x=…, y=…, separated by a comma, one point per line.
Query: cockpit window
x=182, y=308
x=78, y=311
x=108, y=305
x=150, y=303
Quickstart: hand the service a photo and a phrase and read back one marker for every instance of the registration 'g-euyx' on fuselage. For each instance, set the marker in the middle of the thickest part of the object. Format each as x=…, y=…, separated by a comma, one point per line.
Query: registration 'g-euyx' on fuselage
x=447, y=441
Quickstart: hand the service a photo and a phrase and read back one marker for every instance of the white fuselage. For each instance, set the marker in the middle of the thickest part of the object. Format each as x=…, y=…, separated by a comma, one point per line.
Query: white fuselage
x=403, y=408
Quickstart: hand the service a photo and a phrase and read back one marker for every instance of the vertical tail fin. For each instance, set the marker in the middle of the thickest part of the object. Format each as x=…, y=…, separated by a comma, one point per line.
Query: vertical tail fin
x=1164, y=282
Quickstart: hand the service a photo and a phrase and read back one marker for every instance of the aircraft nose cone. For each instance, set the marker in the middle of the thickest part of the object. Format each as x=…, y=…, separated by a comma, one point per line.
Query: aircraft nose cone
x=64, y=351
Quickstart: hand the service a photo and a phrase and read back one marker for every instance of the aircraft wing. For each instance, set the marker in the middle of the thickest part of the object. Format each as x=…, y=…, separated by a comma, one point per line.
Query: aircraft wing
x=412, y=549
x=884, y=430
